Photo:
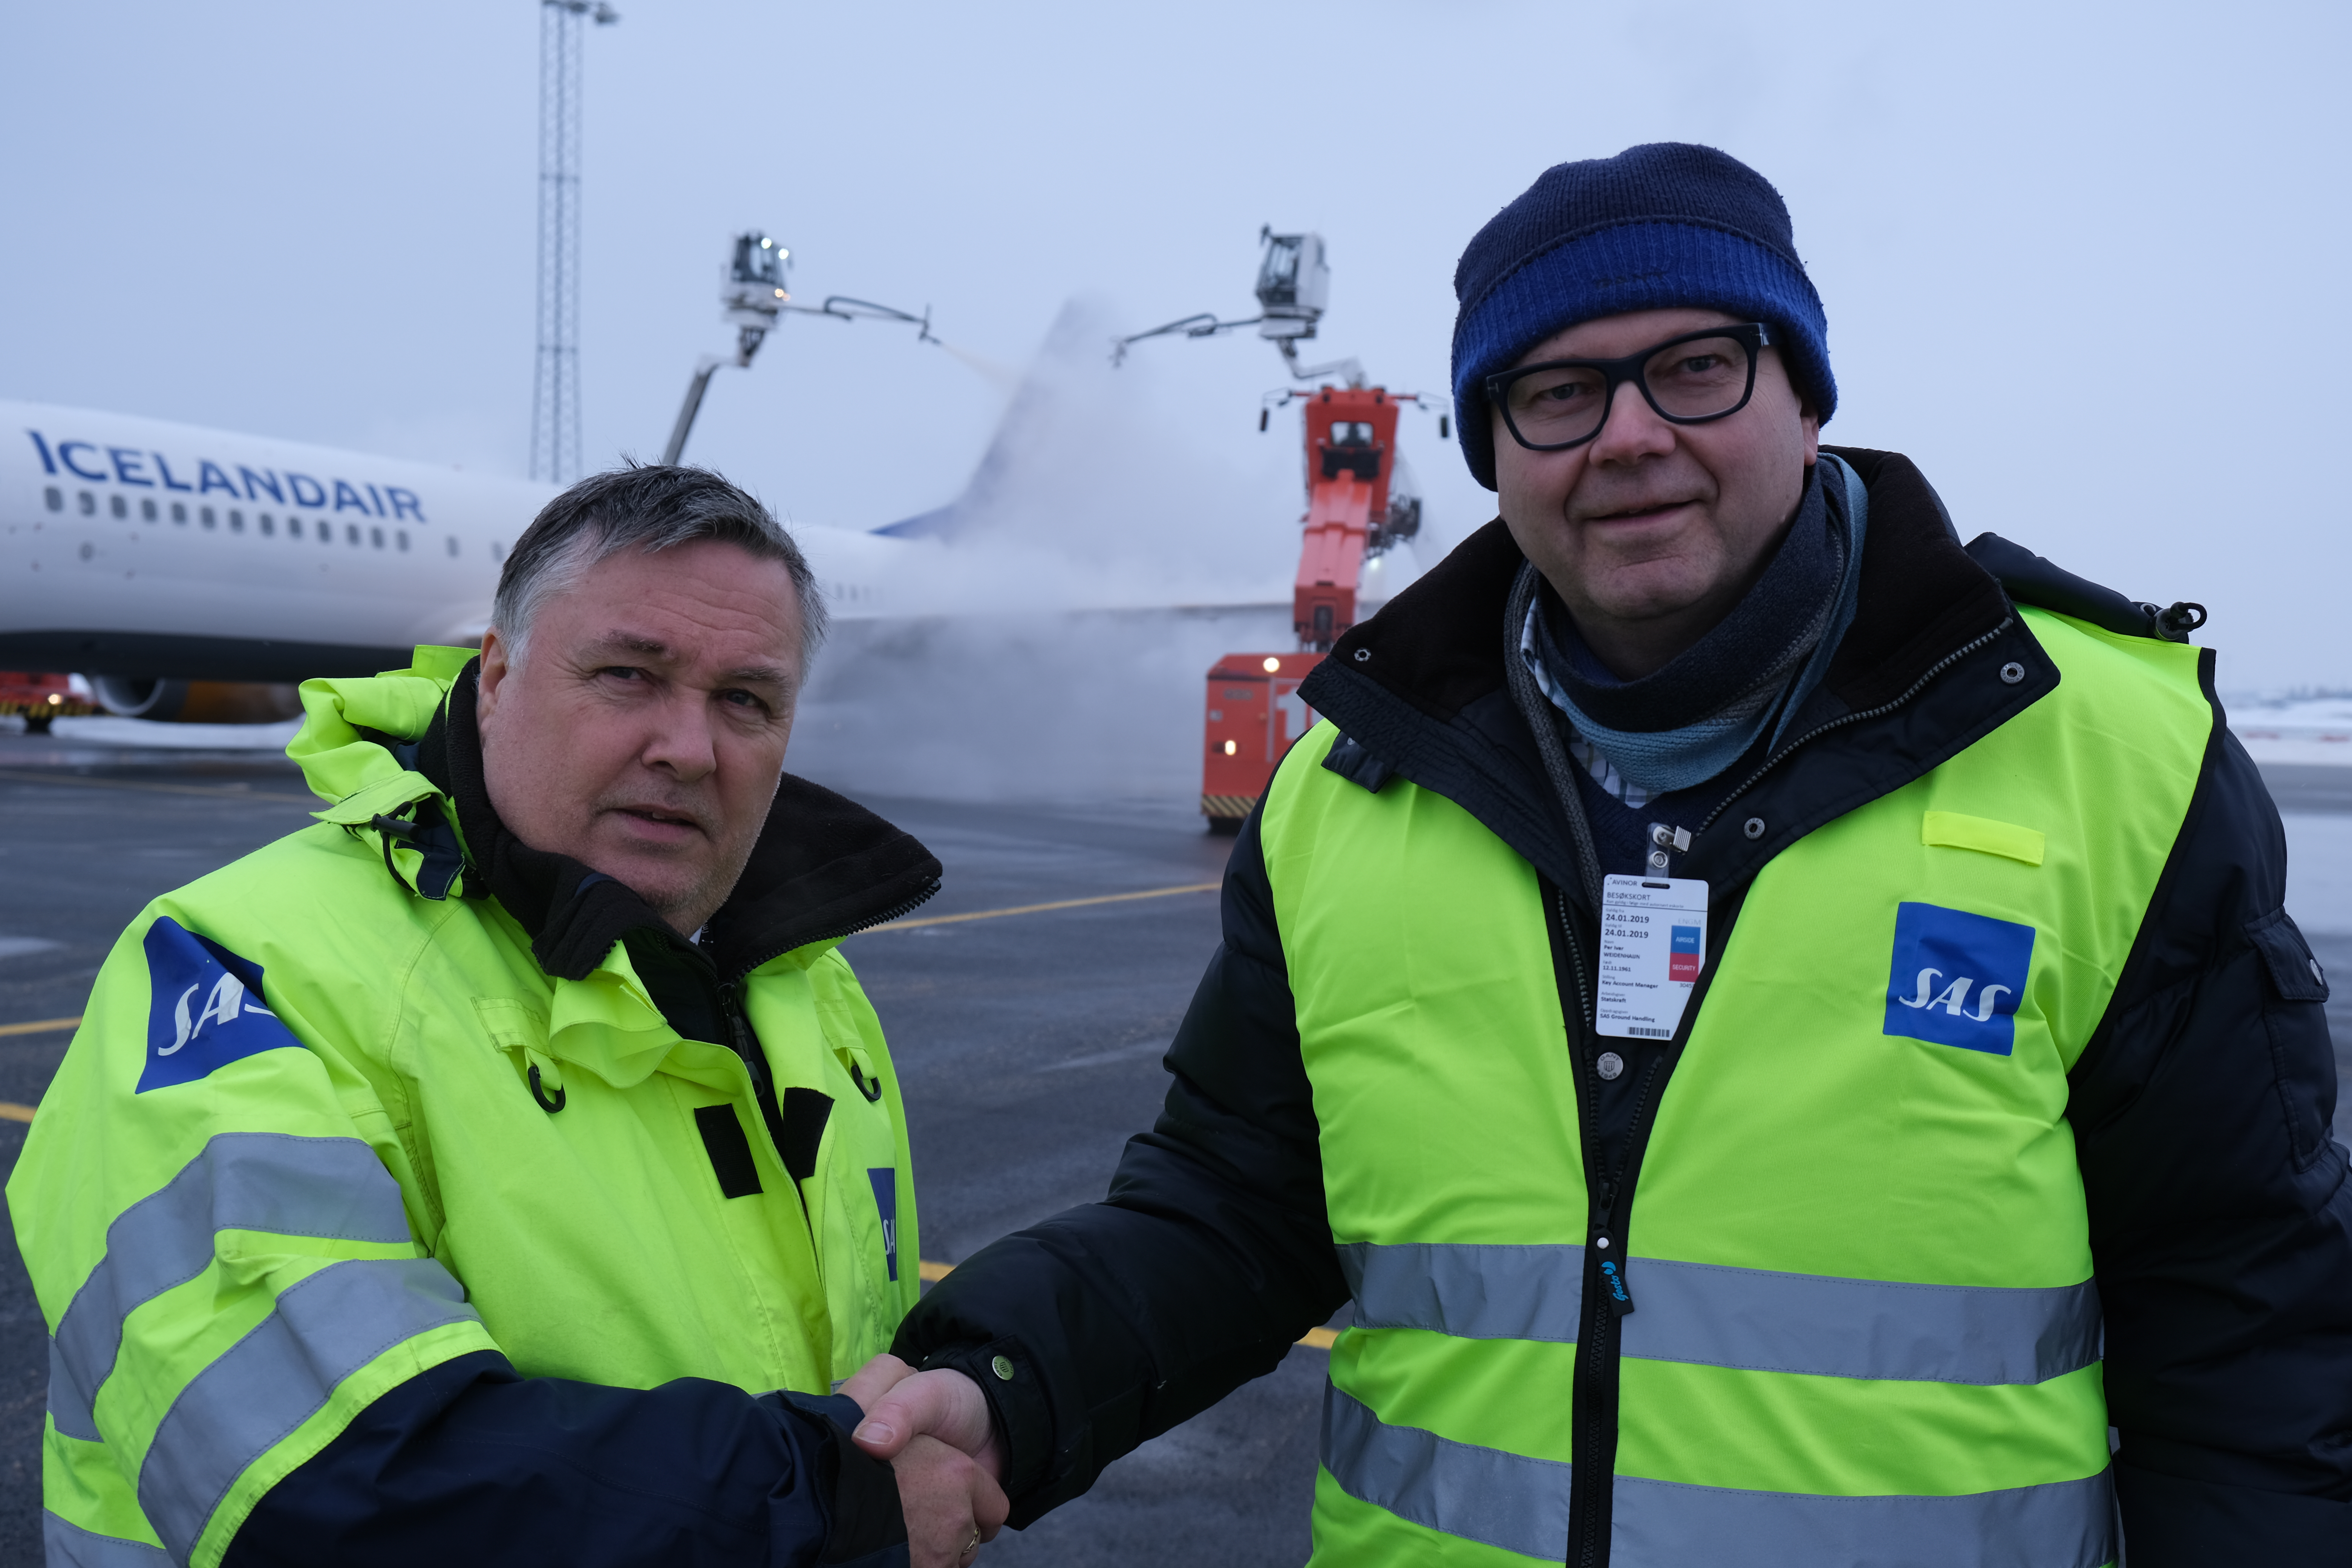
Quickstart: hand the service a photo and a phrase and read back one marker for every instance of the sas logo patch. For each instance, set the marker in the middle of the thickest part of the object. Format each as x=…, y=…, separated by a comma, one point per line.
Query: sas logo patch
x=207, y=1011
x=1957, y=978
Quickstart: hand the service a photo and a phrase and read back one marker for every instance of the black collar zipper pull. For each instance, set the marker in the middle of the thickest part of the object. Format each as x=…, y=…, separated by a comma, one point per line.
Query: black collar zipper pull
x=1606, y=1243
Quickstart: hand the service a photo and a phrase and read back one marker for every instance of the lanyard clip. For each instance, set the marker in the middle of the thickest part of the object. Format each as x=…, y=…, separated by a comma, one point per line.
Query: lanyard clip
x=1664, y=843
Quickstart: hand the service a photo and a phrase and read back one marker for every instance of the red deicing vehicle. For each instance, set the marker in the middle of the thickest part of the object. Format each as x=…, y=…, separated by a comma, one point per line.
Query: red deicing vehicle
x=1358, y=504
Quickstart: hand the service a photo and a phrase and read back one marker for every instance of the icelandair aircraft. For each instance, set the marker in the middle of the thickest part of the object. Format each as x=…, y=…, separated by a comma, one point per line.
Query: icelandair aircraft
x=145, y=555
x=162, y=560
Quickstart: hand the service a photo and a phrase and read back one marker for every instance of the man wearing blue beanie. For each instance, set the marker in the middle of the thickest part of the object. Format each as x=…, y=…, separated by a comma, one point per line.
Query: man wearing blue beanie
x=1781, y=1029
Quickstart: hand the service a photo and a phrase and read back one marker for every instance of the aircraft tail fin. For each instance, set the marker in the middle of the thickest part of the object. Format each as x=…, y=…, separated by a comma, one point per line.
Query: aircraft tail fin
x=1040, y=401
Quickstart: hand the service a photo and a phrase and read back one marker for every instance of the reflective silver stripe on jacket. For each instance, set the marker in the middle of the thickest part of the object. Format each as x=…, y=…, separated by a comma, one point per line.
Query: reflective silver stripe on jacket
x=1471, y=1291
x=241, y=1181
x=1455, y=1489
x=68, y=1546
x=1749, y=1318
x=1520, y=1504
x=326, y=1327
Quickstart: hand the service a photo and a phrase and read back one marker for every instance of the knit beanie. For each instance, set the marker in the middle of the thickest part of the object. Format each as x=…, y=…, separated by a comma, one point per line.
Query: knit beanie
x=1660, y=225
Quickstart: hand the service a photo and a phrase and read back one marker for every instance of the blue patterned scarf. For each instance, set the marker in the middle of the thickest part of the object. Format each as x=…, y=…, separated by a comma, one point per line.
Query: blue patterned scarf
x=1682, y=724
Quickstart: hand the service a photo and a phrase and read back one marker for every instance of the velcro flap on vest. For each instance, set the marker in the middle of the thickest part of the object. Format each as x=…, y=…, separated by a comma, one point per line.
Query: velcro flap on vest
x=1953, y=830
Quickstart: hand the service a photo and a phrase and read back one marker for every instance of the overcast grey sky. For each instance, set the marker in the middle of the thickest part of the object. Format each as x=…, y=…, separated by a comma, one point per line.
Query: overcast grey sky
x=2073, y=256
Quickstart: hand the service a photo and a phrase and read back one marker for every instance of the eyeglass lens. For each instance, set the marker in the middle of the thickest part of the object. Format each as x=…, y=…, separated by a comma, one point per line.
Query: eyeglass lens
x=1696, y=379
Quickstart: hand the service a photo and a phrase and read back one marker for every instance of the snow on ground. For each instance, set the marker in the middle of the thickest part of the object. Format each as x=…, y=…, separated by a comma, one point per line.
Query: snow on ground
x=2319, y=872
x=145, y=734
x=2296, y=729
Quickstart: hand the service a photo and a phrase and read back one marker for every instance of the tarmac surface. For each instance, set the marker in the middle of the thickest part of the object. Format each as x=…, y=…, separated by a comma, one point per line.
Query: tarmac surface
x=1028, y=1046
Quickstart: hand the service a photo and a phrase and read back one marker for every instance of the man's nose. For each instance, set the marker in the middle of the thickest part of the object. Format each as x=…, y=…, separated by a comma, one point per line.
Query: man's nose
x=681, y=740
x=1631, y=430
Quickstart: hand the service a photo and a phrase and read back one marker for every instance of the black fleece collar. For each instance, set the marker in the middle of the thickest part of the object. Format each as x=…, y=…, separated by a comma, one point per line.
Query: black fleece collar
x=823, y=866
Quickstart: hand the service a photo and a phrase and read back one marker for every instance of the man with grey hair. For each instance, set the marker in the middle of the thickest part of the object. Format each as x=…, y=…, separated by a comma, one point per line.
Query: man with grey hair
x=509, y=1167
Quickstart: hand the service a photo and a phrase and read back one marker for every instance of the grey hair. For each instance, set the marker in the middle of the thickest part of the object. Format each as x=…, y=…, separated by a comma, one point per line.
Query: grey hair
x=646, y=508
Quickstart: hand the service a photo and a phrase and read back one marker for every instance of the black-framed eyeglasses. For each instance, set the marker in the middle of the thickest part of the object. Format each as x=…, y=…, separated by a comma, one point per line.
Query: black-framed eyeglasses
x=1689, y=380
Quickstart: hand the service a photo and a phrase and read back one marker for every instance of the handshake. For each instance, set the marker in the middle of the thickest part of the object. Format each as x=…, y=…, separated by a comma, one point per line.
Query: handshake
x=934, y=1430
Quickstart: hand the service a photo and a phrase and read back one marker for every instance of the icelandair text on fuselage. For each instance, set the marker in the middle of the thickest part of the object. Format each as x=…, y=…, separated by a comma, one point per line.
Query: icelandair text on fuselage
x=129, y=465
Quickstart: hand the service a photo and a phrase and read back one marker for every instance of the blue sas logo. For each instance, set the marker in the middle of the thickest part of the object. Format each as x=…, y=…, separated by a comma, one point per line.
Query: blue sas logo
x=1957, y=978
x=206, y=1010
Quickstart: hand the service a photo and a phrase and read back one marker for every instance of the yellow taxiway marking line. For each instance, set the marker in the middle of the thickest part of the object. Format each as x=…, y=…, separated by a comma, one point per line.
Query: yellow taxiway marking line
x=43, y=1027
x=1313, y=1339
x=11, y=1112
x=16, y=775
x=1040, y=909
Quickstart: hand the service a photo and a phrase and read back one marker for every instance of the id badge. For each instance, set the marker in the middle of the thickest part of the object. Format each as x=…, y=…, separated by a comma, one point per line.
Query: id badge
x=1653, y=942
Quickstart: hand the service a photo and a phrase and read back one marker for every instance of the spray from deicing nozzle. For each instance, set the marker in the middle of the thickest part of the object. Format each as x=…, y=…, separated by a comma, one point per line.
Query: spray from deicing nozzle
x=1002, y=377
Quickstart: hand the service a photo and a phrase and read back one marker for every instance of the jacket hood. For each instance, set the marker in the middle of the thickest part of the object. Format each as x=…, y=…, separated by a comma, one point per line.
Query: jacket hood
x=823, y=868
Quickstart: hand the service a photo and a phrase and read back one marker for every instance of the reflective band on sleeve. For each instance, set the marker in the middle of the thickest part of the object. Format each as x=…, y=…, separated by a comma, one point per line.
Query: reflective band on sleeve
x=1748, y=1318
x=1520, y=1504
x=242, y=1181
x=1455, y=1489
x=326, y=1328
x=68, y=1546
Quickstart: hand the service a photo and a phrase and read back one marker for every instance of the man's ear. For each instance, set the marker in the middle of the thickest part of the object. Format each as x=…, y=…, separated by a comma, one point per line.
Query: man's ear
x=495, y=670
x=1809, y=421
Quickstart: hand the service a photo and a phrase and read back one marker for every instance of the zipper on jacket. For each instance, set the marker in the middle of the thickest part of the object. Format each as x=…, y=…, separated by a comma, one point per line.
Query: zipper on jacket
x=1592, y=1488
x=1608, y=1299
x=1777, y=758
x=745, y=1042
x=896, y=911
x=1576, y=970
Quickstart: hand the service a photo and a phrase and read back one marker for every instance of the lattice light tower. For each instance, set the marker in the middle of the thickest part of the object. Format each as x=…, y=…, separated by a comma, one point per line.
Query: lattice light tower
x=555, y=388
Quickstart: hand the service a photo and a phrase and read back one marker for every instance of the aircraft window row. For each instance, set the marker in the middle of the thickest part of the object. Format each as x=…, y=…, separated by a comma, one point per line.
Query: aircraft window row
x=321, y=528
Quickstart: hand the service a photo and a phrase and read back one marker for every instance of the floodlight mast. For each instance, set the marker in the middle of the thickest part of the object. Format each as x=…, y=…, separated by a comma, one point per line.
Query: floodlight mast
x=555, y=377
x=753, y=295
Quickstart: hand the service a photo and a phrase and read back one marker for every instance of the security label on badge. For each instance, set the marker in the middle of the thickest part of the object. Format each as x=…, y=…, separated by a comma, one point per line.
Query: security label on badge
x=1652, y=941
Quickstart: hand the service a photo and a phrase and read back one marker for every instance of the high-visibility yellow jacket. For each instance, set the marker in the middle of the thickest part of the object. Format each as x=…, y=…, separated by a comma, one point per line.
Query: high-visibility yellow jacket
x=373, y=1191
x=1846, y=1299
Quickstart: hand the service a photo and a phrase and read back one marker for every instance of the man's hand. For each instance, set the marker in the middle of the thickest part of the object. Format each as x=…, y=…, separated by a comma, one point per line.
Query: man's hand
x=951, y=1504
x=933, y=1427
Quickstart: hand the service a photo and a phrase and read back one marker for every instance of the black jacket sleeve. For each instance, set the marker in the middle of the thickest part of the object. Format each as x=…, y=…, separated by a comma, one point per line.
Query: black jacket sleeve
x=2221, y=1215
x=469, y=1462
x=1210, y=1255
